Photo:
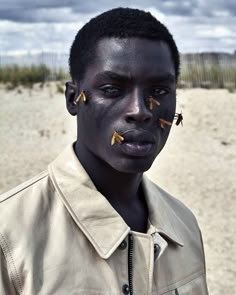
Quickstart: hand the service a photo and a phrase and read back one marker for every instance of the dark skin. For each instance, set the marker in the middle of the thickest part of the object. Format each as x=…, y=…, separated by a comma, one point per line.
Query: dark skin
x=118, y=84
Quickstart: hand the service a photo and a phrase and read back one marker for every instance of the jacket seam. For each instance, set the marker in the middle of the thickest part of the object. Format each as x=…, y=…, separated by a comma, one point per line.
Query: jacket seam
x=24, y=186
x=185, y=281
x=9, y=259
x=198, y=276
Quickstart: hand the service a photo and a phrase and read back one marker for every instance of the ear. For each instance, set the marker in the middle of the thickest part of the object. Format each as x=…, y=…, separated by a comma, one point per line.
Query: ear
x=71, y=94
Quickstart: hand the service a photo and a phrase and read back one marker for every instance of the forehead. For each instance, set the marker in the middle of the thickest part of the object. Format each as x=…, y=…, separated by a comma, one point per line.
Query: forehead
x=133, y=56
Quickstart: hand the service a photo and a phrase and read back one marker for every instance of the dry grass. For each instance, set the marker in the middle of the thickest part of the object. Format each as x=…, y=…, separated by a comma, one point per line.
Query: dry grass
x=14, y=75
x=208, y=76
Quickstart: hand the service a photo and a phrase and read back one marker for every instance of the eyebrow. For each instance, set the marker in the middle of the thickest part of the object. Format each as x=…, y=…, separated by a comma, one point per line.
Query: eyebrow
x=113, y=76
x=162, y=78
x=122, y=77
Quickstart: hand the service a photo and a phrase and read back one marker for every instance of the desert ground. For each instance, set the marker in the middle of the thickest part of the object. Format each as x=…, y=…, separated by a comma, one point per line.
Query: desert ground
x=198, y=164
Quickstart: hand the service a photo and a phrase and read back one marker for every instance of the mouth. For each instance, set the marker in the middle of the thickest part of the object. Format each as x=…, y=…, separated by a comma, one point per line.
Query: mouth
x=138, y=136
x=137, y=149
x=137, y=143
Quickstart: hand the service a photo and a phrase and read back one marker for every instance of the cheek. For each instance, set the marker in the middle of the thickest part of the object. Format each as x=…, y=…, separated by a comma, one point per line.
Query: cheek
x=96, y=118
x=167, y=108
x=104, y=112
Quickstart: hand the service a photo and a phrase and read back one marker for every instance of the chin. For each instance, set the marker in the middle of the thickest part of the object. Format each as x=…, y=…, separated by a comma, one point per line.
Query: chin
x=132, y=165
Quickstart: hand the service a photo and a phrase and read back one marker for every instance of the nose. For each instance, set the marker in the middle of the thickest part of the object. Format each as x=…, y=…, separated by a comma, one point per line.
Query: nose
x=137, y=108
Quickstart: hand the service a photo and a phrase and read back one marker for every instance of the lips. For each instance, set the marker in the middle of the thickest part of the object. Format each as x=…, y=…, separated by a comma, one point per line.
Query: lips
x=137, y=143
x=138, y=136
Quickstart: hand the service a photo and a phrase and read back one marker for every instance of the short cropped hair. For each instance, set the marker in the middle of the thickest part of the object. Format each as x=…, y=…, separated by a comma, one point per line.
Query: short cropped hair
x=117, y=23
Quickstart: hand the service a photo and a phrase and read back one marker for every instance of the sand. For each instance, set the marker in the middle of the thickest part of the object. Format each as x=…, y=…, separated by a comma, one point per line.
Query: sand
x=198, y=164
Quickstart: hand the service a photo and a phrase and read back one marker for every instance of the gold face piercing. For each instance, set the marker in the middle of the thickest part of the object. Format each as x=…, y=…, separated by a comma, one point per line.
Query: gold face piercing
x=164, y=122
x=116, y=137
x=153, y=101
x=81, y=96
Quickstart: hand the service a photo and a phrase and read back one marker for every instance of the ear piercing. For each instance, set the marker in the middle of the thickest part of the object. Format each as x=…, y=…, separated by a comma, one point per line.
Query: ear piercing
x=116, y=137
x=81, y=96
x=179, y=118
x=153, y=101
x=164, y=122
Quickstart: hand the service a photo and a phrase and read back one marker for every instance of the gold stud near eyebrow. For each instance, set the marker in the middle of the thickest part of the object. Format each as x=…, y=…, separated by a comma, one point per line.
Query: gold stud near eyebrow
x=81, y=96
x=164, y=122
x=153, y=101
x=116, y=137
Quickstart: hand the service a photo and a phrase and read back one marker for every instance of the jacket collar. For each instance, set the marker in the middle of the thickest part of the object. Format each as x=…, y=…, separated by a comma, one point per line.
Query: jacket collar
x=161, y=214
x=94, y=215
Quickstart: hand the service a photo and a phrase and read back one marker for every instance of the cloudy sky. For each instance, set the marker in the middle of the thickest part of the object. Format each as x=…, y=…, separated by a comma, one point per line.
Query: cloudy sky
x=50, y=25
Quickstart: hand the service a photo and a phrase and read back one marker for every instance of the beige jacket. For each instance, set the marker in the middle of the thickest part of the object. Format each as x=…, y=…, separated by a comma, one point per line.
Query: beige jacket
x=59, y=235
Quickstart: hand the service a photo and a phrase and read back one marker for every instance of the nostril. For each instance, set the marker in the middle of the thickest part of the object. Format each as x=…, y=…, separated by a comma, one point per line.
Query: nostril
x=129, y=120
x=138, y=117
x=148, y=118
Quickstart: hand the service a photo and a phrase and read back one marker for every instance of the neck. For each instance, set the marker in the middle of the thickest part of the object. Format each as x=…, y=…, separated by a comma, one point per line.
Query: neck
x=118, y=187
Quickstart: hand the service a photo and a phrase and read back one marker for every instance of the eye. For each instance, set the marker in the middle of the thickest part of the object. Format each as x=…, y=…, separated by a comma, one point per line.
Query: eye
x=110, y=90
x=159, y=91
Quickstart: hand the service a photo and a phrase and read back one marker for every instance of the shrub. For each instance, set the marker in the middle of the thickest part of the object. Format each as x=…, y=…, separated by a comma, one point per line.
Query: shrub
x=28, y=75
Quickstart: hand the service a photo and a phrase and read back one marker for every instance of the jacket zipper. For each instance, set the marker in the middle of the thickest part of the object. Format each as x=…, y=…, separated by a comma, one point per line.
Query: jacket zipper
x=130, y=264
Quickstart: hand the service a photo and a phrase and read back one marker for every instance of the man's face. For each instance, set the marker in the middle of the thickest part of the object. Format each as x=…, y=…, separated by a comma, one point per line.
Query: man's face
x=119, y=83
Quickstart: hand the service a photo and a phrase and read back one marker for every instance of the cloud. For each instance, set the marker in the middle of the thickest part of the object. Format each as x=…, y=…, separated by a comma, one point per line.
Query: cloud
x=217, y=32
x=55, y=37
x=59, y=10
x=199, y=33
x=44, y=14
x=197, y=25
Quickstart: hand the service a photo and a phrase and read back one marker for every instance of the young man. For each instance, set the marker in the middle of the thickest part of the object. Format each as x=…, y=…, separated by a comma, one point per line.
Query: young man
x=92, y=223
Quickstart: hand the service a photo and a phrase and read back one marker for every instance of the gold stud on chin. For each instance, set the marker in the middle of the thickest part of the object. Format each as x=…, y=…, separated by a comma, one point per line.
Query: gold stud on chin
x=153, y=101
x=81, y=96
x=116, y=137
x=164, y=122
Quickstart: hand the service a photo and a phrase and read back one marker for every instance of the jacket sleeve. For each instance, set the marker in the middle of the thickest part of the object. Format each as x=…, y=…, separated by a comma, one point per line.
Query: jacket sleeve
x=204, y=261
x=6, y=284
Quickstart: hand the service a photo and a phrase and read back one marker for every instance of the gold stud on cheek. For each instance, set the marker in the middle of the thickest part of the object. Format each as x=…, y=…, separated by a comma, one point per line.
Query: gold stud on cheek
x=81, y=96
x=164, y=122
x=153, y=101
x=116, y=137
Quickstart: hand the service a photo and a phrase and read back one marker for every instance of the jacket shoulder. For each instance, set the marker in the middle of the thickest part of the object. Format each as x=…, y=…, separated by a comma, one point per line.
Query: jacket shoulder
x=23, y=187
x=25, y=200
x=22, y=211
